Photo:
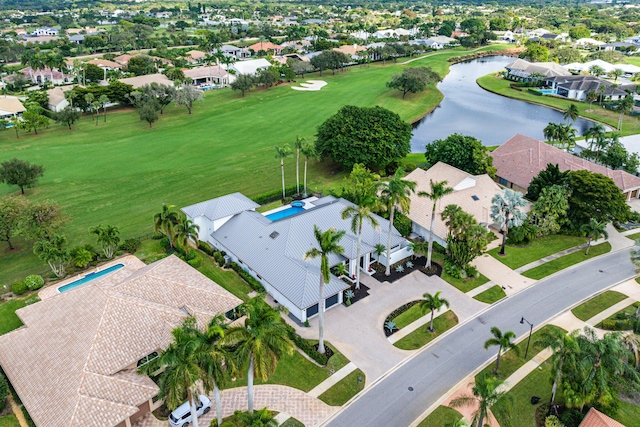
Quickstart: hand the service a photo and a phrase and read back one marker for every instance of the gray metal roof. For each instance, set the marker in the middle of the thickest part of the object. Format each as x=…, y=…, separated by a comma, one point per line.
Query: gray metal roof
x=221, y=207
x=280, y=260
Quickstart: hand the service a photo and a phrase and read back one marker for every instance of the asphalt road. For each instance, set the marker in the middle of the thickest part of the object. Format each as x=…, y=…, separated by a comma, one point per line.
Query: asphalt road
x=439, y=367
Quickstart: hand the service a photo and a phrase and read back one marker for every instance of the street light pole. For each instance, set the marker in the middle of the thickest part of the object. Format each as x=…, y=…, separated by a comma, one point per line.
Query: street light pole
x=530, y=332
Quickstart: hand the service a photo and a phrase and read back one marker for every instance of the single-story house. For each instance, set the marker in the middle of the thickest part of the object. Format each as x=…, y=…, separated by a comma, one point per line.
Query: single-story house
x=74, y=361
x=235, y=51
x=207, y=76
x=250, y=67
x=577, y=87
x=595, y=418
x=10, y=106
x=271, y=246
x=521, y=70
x=106, y=64
x=276, y=49
x=587, y=42
x=619, y=46
x=473, y=193
x=57, y=101
x=123, y=59
x=46, y=31
x=522, y=158
x=54, y=76
x=140, y=81
x=194, y=56
x=351, y=50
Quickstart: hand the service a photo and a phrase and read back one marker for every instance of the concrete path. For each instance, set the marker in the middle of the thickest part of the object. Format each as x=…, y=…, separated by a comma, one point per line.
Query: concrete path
x=332, y=380
x=414, y=325
x=501, y=275
x=357, y=330
x=480, y=289
x=617, y=240
x=610, y=311
x=526, y=369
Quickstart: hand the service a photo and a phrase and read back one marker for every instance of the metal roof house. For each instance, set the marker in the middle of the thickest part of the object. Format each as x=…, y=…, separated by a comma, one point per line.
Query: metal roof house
x=271, y=246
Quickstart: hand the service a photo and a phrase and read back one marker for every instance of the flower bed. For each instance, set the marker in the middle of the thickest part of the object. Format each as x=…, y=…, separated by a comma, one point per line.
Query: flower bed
x=395, y=313
x=404, y=268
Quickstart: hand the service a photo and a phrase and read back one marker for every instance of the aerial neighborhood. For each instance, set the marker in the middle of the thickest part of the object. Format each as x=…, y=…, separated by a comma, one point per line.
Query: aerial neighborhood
x=248, y=214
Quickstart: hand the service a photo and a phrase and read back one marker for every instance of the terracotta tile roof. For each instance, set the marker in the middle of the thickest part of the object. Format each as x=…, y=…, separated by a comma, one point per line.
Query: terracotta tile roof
x=596, y=418
x=11, y=104
x=257, y=47
x=140, y=81
x=103, y=63
x=73, y=363
x=348, y=49
x=521, y=158
x=465, y=187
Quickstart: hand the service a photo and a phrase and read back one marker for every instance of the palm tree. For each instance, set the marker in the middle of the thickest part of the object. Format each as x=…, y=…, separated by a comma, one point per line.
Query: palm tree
x=592, y=96
x=308, y=150
x=594, y=230
x=432, y=303
x=396, y=193
x=615, y=73
x=566, y=136
x=551, y=132
x=632, y=341
x=104, y=100
x=624, y=107
x=379, y=250
x=89, y=98
x=180, y=368
x=359, y=214
x=260, y=418
x=107, y=238
x=438, y=191
x=184, y=231
x=571, y=113
x=596, y=70
x=327, y=246
x=594, y=134
x=505, y=210
x=635, y=256
x=486, y=392
x=70, y=96
x=565, y=349
x=282, y=152
x=260, y=342
x=460, y=422
x=503, y=341
x=165, y=221
x=298, y=145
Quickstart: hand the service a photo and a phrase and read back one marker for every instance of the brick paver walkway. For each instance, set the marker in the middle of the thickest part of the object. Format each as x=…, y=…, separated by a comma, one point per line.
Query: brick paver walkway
x=298, y=404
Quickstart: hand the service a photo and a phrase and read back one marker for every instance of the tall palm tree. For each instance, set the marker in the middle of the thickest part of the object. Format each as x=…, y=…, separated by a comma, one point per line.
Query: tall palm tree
x=108, y=238
x=89, y=98
x=503, y=341
x=625, y=105
x=593, y=134
x=282, y=152
x=260, y=342
x=438, y=191
x=308, y=150
x=566, y=136
x=184, y=231
x=594, y=230
x=596, y=70
x=298, y=145
x=505, y=209
x=571, y=113
x=70, y=96
x=486, y=392
x=432, y=303
x=396, y=193
x=180, y=368
x=565, y=349
x=104, y=100
x=359, y=214
x=615, y=73
x=327, y=245
x=165, y=221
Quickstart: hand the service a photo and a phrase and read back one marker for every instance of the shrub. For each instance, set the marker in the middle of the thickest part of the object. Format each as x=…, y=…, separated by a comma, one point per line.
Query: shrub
x=164, y=242
x=130, y=245
x=206, y=248
x=402, y=224
x=34, y=282
x=571, y=417
x=19, y=288
x=273, y=195
x=4, y=391
x=219, y=258
x=306, y=346
x=195, y=262
x=81, y=257
x=454, y=270
x=251, y=281
x=617, y=325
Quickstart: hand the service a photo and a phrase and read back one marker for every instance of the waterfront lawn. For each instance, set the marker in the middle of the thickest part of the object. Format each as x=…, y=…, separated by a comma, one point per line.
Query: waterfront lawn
x=491, y=295
x=563, y=262
x=344, y=389
x=421, y=336
x=120, y=172
x=597, y=304
x=442, y=416
x=517, y=256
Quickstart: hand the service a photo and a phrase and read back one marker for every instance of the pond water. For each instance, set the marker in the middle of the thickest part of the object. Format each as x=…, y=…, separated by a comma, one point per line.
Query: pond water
x=470, y=110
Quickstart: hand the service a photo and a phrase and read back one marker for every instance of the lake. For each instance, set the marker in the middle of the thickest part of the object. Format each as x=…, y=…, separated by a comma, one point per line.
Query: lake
x=470, y=110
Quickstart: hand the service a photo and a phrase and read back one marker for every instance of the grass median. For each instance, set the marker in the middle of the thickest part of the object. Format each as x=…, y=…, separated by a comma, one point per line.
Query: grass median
x=421, y=336
x=344, y=389
x=491, y=295
x=566, y=261
x=597, y=304
x=518, y=256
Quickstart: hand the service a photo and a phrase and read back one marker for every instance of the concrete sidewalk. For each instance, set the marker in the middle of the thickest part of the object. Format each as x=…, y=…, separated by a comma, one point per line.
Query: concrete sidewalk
x=610, y=311
x=501, y=275
x=480, y=289
x=332, y=380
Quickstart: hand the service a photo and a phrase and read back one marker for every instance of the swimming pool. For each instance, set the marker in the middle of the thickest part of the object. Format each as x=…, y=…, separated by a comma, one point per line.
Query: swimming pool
x=548, y=91
x=89, y=277
x=285, y=213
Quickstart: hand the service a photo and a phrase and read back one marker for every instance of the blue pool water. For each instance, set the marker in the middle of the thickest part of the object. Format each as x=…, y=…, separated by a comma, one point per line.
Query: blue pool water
x=89, y=277
x=285, y=213
x=548, y=91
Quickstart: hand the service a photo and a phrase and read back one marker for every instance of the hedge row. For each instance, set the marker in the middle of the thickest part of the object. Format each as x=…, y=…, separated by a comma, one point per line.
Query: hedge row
x=306, y=346
x=252, y=281
x=272, y=196
x=398, y=311
x=617, y=325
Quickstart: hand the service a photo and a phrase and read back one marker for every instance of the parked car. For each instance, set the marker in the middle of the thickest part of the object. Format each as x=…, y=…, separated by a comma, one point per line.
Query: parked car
x=181, y=417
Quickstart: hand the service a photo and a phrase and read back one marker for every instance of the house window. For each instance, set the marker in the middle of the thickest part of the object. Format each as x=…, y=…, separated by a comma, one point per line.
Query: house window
x=331, y=301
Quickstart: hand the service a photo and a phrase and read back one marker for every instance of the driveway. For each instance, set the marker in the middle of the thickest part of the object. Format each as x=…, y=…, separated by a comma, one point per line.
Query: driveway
x=357, y=331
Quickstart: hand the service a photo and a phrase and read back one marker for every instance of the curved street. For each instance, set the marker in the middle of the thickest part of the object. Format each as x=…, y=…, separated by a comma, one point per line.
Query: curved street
x=403, y=394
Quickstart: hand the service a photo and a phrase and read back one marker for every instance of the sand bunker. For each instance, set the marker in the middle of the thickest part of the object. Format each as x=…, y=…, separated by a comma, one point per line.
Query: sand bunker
x=310, y=85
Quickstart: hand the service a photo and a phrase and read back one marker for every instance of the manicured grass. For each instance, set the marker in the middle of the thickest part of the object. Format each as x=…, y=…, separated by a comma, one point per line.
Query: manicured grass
x=597, y=304
x=409, y=316
x=292, y=422
x=491, y=295
x=516, y=256
x=510, y=361
x=8, y=318
x=421, y=336
x=150, y=251
x=121, y=172
x=463, y=285
x=628, y=414
x=633, y=236
x=297, y=372
x=344, y=389
x=563, y=262
x=9, y=421
x=443, y=415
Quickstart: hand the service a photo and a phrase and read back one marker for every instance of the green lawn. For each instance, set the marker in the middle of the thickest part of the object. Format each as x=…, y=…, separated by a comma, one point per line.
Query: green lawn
x=516, y=256
x=442, y=416
x=121, y=172
x=510, y=361
x=421, y=336
x=491, y=295
x=597, y=304
x=624, y=313
x=345, y=389
x=563, y=262
x=409, y=316
x=9, y=421
x=628, y=414
x=463, y=285
x=633, y=236
x=8, y=319
x=292, y=422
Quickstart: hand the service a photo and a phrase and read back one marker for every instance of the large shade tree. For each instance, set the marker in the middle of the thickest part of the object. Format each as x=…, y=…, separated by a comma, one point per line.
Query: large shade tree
x=506, y=211
x=463, y=152
x=595, y=196
x=438, y=191
x=327, y=245
x=21, y=173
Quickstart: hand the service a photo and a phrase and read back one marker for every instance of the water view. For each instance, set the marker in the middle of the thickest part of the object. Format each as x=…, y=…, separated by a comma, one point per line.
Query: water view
x=470, y=110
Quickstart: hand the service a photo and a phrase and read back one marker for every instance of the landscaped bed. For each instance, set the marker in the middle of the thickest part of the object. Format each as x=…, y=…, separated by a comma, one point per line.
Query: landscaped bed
x=400, y=269
x=491, y=295
x=344, y=389
x=518, y=256
x=620, y=321
x=597, y=304
x=463, y=285
x=563, y=262
x=421, y=336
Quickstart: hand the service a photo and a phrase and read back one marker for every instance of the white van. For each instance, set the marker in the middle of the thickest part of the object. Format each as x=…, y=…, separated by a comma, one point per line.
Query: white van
x=181, y=417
